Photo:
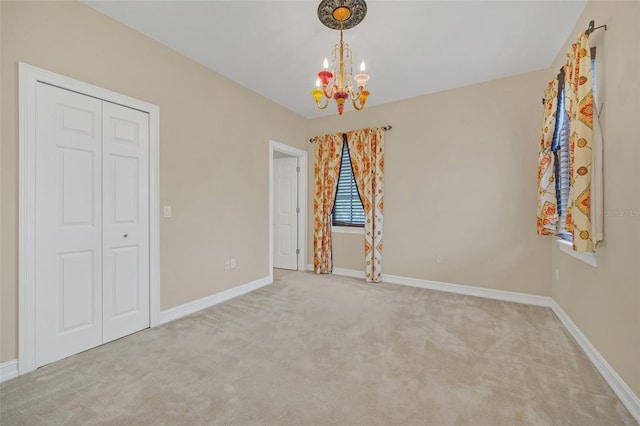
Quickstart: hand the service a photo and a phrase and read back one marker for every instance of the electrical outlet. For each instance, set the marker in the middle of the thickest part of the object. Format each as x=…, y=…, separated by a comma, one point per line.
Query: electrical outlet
x=226, y=264
x=167, y=211
x=232, y=264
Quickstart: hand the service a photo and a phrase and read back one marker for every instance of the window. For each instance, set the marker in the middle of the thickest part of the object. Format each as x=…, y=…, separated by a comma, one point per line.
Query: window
x=347, y=209
x=560, y=149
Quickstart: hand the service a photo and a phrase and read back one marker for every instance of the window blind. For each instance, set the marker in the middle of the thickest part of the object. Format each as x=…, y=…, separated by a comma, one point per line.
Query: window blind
x=561, y=152
x=347, y=209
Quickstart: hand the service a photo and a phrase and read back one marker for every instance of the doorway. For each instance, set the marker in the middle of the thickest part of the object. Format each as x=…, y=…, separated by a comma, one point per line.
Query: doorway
x=287, y=207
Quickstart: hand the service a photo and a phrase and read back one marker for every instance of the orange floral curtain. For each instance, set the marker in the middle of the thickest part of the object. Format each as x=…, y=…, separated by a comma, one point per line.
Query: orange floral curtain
x=328, y=153
x=366, y=148
x=580, y=108
x=547, y=209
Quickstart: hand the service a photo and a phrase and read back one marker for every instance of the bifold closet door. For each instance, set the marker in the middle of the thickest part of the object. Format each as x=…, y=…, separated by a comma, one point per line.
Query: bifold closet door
x=68, y=209
x=92, y=222
x=125, y=159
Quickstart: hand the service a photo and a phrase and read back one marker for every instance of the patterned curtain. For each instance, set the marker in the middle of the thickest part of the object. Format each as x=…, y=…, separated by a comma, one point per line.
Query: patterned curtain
x=326, y=171
x=579, y=105
x=547, y=210
x=366, y=148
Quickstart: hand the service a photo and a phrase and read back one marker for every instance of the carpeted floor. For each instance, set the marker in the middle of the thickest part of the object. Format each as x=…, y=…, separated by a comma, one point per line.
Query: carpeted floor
x=328, y=350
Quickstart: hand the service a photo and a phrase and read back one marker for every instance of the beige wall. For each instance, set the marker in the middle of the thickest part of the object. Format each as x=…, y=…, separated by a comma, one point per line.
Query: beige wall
x=604, y=302
x=460, y=182
x=214, y=138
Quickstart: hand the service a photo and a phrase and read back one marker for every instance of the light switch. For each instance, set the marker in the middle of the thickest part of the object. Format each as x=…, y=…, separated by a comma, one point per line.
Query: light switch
x=167, y=211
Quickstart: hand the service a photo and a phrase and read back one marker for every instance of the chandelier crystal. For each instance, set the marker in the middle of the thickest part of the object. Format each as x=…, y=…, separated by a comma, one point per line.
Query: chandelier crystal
x=336, y=79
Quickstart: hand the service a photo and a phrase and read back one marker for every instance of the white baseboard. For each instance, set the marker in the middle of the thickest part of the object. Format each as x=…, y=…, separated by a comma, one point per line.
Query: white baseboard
x=626, y=395
x=8, y=370
x=176, y=312
x=342, y=271
x=467, y=290
x=487, y=293
x=348, y=273
x=621, y=389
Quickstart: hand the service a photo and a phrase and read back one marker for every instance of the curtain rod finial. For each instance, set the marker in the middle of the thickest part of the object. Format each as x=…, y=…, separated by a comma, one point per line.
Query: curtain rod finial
x=592, y=27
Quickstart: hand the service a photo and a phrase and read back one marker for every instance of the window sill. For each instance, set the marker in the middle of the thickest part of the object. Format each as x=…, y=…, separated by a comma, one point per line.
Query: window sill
x=567, y=247
x=347, y=230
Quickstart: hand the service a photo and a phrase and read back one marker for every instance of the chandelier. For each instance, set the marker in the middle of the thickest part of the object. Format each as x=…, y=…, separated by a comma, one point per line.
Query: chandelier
x=336, y=80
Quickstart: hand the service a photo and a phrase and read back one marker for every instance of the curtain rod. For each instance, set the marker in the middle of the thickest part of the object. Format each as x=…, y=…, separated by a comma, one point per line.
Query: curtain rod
x=592, y=27
x=386, y=128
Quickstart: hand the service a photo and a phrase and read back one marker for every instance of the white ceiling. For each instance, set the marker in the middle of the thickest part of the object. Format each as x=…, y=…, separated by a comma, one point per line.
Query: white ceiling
x=411, y=48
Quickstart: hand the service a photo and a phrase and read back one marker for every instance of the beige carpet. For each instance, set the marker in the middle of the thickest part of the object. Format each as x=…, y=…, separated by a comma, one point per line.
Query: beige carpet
x=326, y=350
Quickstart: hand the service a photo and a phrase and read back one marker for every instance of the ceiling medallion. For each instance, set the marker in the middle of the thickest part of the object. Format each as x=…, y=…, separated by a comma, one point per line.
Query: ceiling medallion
x=341, y=14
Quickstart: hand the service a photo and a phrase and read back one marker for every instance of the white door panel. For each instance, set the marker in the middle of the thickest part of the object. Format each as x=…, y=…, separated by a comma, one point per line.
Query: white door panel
x=68, y=280
x=284, y=238
x=285, y=178
x=126, y=295
x=125, y=220
x=76, y=298
x=126, y=171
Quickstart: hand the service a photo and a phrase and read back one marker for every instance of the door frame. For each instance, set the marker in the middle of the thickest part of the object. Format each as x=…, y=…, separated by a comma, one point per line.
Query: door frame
x=29, y=77
x=302, y=202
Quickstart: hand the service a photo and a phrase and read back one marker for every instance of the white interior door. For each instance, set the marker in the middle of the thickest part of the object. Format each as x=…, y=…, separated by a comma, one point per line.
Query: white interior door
x=125, y=154
x=285, y=178
x=68, y=258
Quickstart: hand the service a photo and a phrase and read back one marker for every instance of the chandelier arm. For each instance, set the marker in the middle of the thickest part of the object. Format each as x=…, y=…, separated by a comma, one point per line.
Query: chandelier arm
x=355, y=95
x=357, y=108
x=331, y=92
x=326, y=103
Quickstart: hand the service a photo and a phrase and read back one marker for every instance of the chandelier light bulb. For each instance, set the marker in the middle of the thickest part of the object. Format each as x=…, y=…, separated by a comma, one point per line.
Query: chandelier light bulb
x=317, y=82
x=325, y=64
x=362, y=67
